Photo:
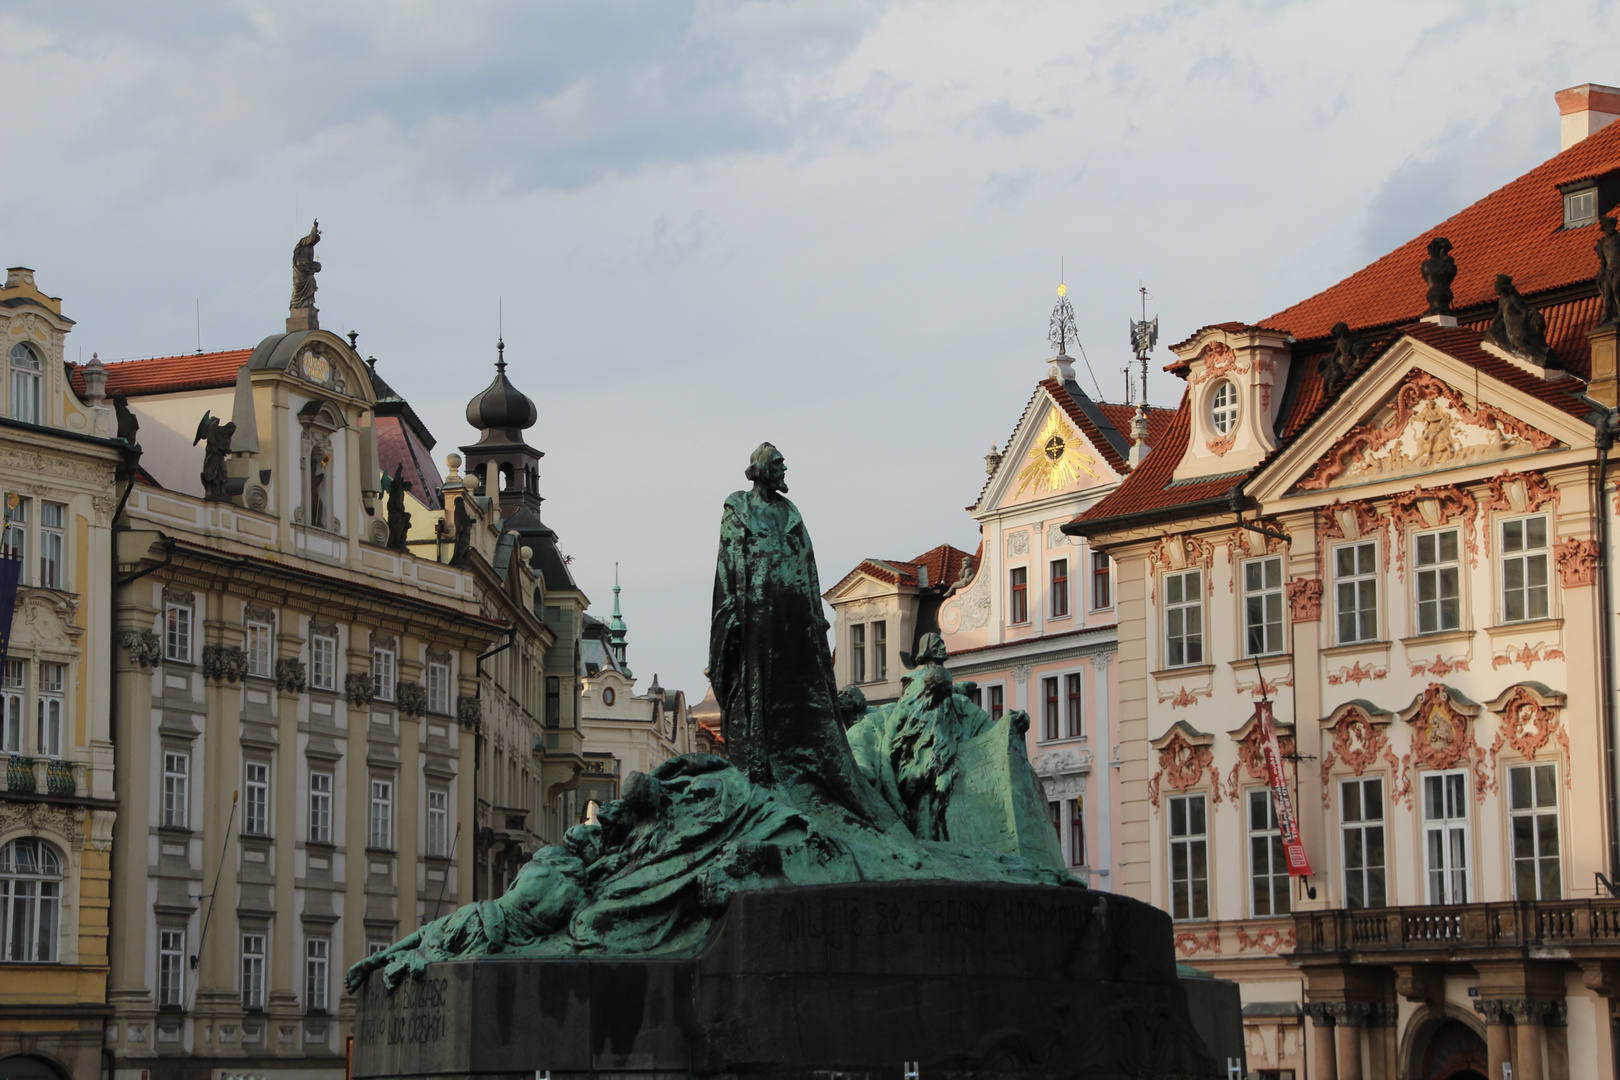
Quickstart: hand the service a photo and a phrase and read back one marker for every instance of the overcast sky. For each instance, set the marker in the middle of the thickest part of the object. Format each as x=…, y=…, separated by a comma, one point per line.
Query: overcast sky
x=834, y=225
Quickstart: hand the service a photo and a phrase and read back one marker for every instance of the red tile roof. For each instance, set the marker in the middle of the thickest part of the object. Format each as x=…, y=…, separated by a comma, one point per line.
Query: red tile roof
x=1087, y=425
x=168, y=374
x=397, y=446
x=1517, y=229
x=943, y=565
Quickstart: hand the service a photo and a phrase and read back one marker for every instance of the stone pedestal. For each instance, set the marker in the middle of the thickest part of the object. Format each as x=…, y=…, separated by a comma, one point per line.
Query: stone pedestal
x=962, y=979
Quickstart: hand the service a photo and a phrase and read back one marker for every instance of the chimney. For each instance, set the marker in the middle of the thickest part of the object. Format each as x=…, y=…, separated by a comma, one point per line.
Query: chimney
x=1585, y=109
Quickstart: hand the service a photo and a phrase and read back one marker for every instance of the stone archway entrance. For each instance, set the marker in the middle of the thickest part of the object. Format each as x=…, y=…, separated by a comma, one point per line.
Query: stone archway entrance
x=25, y=1067
x=1454, y=1052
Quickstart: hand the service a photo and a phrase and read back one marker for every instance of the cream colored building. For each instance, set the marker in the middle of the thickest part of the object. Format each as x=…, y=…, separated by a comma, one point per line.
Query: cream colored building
x=58, y=461
x=1415, y=565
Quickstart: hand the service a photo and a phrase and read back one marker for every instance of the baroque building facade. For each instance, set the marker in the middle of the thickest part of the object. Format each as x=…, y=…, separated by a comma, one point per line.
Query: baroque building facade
x=1029, y=618
x=59, y=462
x=1388, y=512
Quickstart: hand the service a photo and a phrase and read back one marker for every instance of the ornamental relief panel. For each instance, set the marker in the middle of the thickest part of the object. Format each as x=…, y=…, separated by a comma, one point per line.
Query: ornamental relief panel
x=1577, y=562
x=1443, y=738
x=968, y=610
x=1429, y=508
x=1183, y=764
x=1426, y=425
x=1527, y=727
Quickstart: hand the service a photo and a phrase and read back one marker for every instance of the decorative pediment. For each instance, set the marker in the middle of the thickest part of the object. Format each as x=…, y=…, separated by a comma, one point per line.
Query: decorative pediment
x=1531, y=719
x=1359, y=740
x=1443, y=732
x=1056, y=458
x=1049, y=453
x=1426, y=424
x=1185, y=755
x=1252, y=755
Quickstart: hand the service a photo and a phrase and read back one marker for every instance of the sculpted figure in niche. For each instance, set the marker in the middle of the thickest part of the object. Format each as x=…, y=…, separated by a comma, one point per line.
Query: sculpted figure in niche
x=399, y=519
x=216, y=452
x=305, y=268
x=1518, y=327
x=317, y=486
x=1439, y=270
x=1608, y=253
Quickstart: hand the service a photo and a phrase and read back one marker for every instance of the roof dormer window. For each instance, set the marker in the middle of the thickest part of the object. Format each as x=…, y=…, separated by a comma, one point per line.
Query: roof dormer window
x=1223, y=407
x=1580, y=206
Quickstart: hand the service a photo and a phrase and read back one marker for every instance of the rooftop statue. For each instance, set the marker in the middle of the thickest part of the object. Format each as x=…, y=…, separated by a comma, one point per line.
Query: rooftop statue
x=305, y=268
x=1348, y=349
x=399, y=519
x=1608, y=253
x=216, y=452
x=1439, y=271
x=1518, y=327
x=928, y=788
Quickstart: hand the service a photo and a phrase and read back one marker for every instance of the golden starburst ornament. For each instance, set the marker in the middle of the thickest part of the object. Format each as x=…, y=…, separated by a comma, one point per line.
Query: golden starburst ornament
x=1056, y=460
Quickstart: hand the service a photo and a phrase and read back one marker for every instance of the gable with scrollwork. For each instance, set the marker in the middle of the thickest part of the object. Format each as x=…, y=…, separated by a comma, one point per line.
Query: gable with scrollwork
x=1425, y=425
x=1185, y=756
x=1530, y=722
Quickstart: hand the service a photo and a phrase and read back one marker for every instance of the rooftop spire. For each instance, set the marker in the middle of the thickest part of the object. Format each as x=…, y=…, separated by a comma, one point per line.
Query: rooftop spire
x=616, y=627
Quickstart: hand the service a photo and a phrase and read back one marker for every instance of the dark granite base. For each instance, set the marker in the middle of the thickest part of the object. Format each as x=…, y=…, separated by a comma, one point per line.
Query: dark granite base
x=856, y=980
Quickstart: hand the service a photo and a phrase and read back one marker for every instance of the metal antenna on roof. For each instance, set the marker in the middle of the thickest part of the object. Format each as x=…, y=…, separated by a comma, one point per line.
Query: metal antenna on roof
x=500, y=335
x=199, y=327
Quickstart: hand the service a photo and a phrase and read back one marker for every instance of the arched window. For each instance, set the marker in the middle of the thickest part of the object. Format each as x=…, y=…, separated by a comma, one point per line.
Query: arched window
x=25, y=368
x=30, y=901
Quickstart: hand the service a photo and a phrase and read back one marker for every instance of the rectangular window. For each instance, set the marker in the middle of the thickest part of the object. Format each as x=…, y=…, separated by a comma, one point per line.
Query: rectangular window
x=1580, y=208
x=1268, y=860
x=171, y=968
x=375, y=947
x=177, y=634
x=382, y=674
x=317, y=962
x=857, y=653
x=1184, y=618
x=50, y=545
x=553, y=701
x=51, y=679
x=880, y=651
x=1524, y=569
x=1362, y=803
x=1189, y=858
x=439, y=688
x=1355, y=585
x=252, y=971
x=1438, y=582
x=1263, y=606
x=176, y=790
x=11, y=702
x=1102, y=581
x=1049, y=709
x=320, y=808
x=1054, y=810
x=1533, y=806
x=260, y=637
x=1077, y=832
x=1072, y=727
x=998, y=701
x=16, y=531
x=1060, y=588
x=381, y=835
x=438, y=823
x=1018, y=607
x=323, y=663
x=256, y=806
x=1445, y=835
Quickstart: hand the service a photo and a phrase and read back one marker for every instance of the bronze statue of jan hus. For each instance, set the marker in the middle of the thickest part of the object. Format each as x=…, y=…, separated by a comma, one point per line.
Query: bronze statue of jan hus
x=1608, y=253
x=399, y=519
x=1335, y=367
x=305, y=268
x=216, y=451
x=1518, y=327
x=1439, y=270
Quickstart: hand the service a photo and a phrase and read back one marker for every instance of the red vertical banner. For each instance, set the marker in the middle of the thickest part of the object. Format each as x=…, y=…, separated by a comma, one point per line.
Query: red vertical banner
x=1281, y=798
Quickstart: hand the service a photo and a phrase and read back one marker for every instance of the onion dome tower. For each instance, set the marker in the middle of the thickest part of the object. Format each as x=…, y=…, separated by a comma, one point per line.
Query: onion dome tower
x=617, y=630
x=507, y=469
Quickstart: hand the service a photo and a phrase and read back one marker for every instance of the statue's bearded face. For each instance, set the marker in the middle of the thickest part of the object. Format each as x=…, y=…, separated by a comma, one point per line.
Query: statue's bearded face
x=775, y=478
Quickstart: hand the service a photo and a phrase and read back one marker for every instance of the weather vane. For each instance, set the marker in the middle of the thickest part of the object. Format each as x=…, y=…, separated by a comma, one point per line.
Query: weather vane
x=1062, y=327
x=1144, y=335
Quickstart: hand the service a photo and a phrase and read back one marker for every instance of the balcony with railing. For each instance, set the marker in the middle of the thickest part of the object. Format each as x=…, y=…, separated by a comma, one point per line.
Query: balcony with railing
x=25, y=775
x=1483, y=929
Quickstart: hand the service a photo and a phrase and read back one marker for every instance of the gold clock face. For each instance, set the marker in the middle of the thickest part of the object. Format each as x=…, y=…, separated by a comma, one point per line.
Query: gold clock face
x=1055, y=461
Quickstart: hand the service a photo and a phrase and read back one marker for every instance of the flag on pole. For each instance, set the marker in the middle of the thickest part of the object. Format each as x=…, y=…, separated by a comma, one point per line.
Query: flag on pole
x=1281, y=798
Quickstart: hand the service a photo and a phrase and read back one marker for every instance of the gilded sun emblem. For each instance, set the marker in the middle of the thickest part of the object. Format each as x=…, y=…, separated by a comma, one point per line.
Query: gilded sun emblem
x=1055, y=461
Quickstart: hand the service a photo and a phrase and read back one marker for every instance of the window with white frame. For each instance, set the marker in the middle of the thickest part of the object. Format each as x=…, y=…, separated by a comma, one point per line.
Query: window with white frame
x=1268, y=859
x=1223, y=408
x=1355, y=589
x=253, y=971
x=880, y=650
x=317, y=966
x=1533, y=808
x=1184, y=618
x=30, y=902
x=320, y=808
x=1018, y=599
x=375, y=947
x=382, y=674
x=13, y=685
x=1049, y=709
x=1074, y=712
x=438, y=823
x=256, y=807
x=1525, y=593
x=171, y=980
x=1361, y=804
x=438, y=687
x=323, y=663
x=1439, y=582
x=15, y=543
x=176, y=789
x=381, y=834
x=1189, y=858
x=1077, y=831
x=177, y=633
x=50, y=544
x=1580, y=207
x=1058, y=603
x=1263, y=606
x=260, y=643
x=25, y=378
x=1102, y=581
x=1445, y=835
x=857, y=653
x=52, y=678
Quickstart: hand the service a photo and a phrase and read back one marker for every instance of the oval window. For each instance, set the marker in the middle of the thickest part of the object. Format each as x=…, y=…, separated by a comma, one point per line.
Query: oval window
x=608, y=696
x=1223, y=408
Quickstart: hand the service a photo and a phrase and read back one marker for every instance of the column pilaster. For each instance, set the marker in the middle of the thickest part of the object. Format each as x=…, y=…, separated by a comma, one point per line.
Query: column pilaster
x=1324, y=1061
x=1498, y=1040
